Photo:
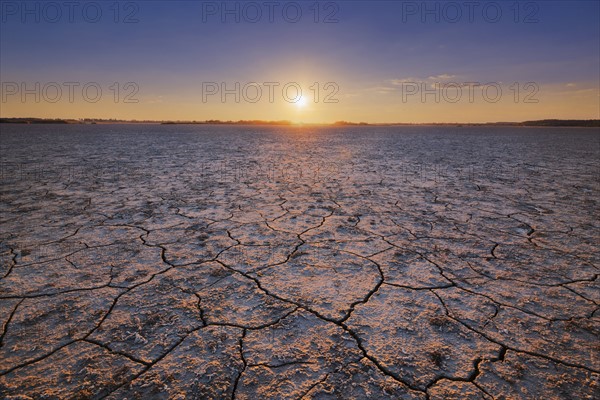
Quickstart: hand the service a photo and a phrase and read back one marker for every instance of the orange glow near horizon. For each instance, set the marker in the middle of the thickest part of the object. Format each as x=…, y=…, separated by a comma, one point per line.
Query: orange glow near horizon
x=574, y=101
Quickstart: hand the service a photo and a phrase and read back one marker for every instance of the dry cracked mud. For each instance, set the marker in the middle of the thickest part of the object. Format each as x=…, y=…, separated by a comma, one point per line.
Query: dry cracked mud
x=195, y=262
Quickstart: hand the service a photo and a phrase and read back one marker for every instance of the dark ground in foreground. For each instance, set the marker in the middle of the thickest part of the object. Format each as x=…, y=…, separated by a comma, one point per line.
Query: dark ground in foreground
x=257, y=262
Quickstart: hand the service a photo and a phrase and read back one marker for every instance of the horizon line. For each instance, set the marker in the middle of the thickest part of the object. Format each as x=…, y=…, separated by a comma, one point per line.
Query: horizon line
x=83, y=121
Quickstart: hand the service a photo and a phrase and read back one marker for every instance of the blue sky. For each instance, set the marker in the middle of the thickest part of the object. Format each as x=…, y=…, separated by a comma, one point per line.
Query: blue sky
x=172, y=47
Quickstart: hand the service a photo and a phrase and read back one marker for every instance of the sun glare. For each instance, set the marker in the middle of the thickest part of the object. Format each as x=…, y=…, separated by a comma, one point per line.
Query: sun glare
x=301, y=102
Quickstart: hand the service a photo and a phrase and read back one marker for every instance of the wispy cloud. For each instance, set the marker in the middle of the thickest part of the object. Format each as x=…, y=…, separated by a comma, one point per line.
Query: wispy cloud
x=382, y=89
x=429, y=80
x=399, y=82
x=441, y=77
x=154, y=100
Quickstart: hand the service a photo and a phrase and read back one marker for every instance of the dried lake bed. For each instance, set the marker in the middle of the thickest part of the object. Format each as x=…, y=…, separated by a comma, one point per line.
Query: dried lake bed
x=213, y=262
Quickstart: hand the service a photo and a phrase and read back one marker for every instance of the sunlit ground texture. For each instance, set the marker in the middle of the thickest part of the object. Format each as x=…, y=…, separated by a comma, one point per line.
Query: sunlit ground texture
x=183, y=262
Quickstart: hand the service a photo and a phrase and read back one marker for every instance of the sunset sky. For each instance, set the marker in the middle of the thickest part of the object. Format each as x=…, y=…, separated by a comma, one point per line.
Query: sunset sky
x=372, y=55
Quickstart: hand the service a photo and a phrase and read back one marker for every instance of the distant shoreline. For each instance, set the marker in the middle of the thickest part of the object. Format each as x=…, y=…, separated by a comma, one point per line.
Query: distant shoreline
x=591, y=123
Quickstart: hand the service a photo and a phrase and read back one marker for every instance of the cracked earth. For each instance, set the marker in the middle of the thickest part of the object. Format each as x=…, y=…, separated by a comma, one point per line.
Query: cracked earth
x=186, y=262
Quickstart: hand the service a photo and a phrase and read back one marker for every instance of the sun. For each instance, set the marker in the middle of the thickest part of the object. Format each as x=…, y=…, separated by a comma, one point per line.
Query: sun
x=301, y=102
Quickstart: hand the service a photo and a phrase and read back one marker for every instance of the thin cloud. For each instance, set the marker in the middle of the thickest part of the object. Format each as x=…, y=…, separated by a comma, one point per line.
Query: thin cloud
x=443, y=77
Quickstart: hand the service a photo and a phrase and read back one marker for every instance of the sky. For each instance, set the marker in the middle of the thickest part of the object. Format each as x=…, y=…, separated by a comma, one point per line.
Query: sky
x=304, y=61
